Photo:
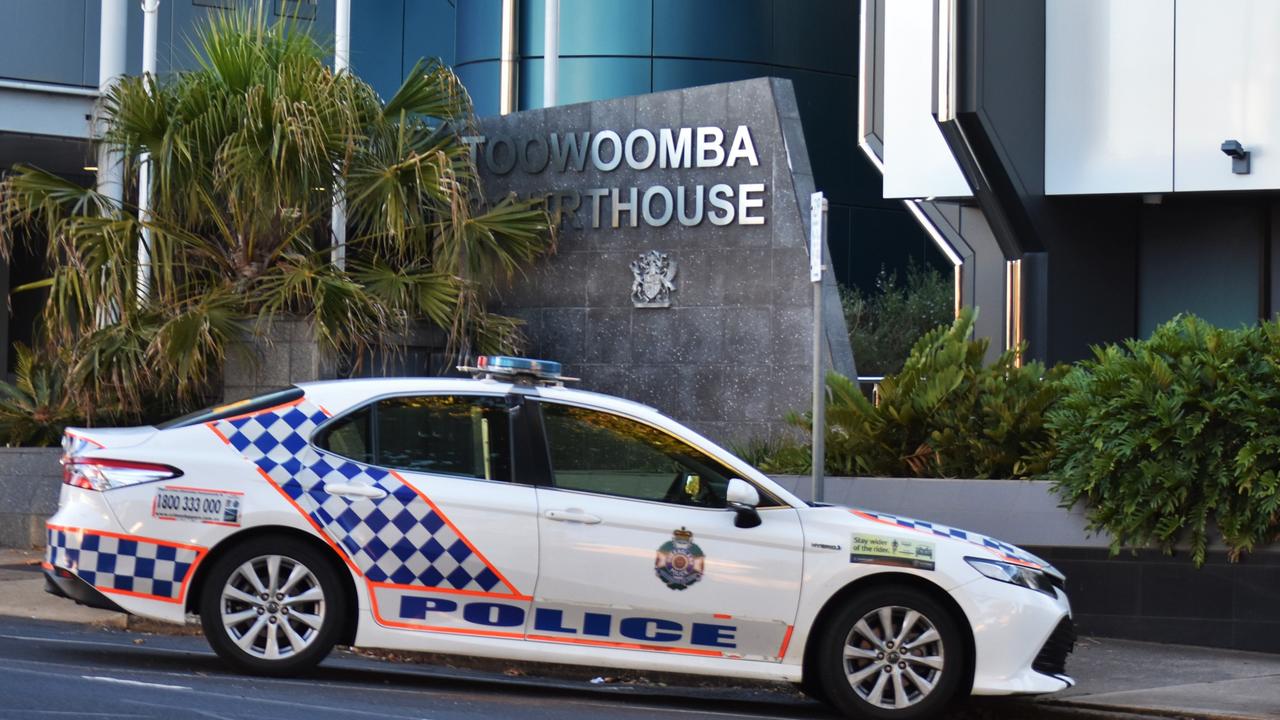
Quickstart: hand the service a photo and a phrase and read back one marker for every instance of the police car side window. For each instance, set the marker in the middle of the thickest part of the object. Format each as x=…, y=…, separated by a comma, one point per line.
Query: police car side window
x=609, y=454
x=445, y=434
x=440, y=434
x=349, y=436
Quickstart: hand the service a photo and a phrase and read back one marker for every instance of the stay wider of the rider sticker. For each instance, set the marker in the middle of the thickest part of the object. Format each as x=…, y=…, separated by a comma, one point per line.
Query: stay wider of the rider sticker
x=216, y=507
x=880, y=550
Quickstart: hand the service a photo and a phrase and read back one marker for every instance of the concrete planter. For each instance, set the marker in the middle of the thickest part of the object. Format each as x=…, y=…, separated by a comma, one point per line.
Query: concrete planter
x=1138, y=595
x=30, y=480
x=1023, y=512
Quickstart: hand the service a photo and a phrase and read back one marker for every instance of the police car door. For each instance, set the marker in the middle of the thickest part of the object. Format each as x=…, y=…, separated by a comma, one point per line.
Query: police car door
x=639, y=552
x=449, y=542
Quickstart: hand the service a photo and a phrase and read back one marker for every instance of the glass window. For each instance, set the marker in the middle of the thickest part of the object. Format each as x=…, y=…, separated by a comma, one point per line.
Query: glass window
x=613, y=455
x=349, y=436
x=440, y=434
x=445, y=434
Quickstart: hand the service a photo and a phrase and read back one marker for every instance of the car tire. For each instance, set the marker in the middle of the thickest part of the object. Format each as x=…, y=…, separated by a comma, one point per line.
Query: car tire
x=273, y=606
x=862, y=671
x=811, y=686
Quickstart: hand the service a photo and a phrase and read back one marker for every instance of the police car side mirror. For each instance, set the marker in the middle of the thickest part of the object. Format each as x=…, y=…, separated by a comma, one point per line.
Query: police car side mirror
x=743, y=498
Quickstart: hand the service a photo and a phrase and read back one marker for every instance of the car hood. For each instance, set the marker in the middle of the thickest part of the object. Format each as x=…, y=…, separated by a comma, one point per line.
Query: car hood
x=997, y=549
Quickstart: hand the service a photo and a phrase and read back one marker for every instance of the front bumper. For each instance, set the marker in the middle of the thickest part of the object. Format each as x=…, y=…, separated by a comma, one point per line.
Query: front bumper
x=1021, y=638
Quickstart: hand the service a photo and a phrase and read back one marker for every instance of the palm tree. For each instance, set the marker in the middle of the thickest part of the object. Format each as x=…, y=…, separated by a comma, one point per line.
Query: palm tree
x=245, y=151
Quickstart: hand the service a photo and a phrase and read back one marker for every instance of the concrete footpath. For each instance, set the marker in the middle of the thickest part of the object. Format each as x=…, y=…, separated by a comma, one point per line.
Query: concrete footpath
x=1115, y=678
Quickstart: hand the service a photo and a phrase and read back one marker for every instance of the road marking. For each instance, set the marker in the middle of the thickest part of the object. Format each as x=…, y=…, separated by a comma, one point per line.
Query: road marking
x=688, y=711
x=288, y=703
x=134, y=683
x=77, y=714
x=630, y=704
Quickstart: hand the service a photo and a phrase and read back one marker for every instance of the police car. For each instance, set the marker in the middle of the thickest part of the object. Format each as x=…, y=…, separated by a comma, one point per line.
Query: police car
x=508, y=516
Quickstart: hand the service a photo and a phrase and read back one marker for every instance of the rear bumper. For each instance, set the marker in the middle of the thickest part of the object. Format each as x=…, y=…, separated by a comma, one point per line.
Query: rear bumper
x=66, y=584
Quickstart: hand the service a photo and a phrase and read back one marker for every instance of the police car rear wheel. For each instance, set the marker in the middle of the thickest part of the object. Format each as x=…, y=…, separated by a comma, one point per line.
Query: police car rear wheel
x=272, y=613
x=892, y=653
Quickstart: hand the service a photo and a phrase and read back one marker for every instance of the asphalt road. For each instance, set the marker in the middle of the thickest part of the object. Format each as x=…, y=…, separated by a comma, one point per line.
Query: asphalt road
x=51, y=670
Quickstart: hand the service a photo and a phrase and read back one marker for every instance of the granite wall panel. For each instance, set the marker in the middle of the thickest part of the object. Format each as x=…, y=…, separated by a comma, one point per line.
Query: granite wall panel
x=731, y=353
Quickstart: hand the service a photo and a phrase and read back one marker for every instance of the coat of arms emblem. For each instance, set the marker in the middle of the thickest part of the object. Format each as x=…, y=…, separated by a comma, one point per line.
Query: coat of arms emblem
x=679, y=563
x=653, y=275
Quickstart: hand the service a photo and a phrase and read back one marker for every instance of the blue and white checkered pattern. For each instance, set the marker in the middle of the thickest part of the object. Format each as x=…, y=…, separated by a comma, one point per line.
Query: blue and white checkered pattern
x=112, y=563
x=1004, y=548
x=399, y=538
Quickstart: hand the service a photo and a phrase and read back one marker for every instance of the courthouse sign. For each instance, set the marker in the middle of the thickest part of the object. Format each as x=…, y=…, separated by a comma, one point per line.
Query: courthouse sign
x=680, y=277
x=705, y=147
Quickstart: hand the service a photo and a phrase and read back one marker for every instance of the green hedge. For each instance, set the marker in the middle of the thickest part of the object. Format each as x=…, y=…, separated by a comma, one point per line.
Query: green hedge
x=1167, y=437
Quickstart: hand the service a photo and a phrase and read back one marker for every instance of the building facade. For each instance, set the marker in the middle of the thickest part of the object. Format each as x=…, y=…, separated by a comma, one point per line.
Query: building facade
x=49, y=75
x=1064, y=157
x=1095, y=166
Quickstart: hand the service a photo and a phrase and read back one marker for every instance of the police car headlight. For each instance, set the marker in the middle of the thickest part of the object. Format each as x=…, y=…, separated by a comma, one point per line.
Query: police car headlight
x=107, y=474
x=1013, y=574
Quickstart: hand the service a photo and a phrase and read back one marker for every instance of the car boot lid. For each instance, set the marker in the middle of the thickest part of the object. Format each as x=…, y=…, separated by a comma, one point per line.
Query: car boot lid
x=77, y=440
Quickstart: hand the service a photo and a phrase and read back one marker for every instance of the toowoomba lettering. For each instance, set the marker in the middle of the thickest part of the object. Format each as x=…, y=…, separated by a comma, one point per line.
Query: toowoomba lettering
x=701, y=148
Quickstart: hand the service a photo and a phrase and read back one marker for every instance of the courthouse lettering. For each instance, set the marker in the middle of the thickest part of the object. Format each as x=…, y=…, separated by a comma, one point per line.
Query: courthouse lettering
x=700, y=148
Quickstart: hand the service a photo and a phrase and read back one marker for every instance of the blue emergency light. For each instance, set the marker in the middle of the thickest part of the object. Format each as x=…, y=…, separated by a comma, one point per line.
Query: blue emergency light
x=514, y=368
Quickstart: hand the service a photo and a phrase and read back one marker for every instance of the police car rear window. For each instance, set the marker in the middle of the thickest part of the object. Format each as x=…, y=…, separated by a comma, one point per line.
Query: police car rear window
x=239, y=407
x=464, y=436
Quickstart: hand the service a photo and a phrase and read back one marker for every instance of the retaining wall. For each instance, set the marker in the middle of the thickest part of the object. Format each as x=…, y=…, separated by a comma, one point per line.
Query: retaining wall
x=1139, y=595
x=30, y=480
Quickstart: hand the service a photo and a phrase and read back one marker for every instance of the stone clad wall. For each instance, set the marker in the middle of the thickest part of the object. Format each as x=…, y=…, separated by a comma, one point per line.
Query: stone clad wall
x=731, y=354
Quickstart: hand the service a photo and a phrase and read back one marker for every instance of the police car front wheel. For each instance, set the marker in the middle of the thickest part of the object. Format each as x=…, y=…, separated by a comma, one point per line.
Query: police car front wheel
x=272, y=606
x=891, y=653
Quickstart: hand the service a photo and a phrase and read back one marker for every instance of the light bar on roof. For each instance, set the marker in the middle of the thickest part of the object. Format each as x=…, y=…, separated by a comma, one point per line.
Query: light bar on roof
x=514, y=368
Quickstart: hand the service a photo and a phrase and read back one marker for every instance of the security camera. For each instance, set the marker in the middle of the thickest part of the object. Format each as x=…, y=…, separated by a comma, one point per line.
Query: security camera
x=1239, y=156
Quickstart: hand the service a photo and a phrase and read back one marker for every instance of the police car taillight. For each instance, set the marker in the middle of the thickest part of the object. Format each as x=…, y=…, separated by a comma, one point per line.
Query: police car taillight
x=516, y=369
x=108, y=473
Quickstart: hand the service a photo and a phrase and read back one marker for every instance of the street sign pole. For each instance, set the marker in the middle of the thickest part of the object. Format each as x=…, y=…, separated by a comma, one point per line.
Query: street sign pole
x=817, y=240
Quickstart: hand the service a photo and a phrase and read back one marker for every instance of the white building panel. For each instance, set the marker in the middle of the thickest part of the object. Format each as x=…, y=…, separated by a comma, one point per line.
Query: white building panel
x=1228, y=88
x=30, y=110
x=1109, y=95
x=917, y=161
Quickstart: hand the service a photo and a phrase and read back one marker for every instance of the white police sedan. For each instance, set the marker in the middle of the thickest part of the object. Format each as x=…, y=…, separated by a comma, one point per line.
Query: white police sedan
x=509, y=517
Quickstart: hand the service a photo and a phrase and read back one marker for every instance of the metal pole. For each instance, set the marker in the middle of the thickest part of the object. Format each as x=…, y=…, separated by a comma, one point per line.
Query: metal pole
x=507, y=90
x=341, y=63
x=551, y=53
x=112, y=34
x=150, y=11
x=817, y=241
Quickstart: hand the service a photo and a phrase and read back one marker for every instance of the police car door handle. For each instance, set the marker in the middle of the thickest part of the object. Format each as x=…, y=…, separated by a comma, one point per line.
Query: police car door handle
x=571, y=515
x=355, y=490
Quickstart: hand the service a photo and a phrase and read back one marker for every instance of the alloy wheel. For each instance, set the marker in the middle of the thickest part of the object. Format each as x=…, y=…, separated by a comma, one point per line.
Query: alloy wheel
x=893, y=657
x=272, y=607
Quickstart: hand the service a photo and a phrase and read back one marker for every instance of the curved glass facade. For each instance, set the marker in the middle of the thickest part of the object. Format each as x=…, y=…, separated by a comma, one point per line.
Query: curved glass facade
x=613, y=48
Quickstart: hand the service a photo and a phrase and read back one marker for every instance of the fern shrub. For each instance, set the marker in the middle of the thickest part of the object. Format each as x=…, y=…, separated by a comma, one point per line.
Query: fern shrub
x=1168, y=437
x=945, y=414
x=35, y=408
